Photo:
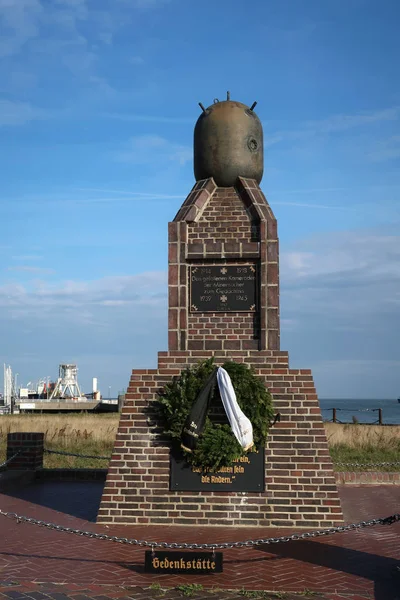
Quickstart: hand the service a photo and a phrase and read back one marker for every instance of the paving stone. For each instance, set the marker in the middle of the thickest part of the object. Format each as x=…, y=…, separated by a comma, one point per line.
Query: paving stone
x=42, y=564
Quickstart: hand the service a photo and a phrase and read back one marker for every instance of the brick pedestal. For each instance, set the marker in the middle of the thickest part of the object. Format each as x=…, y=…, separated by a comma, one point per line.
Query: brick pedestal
x=30, y=449
x=300, y=484
x=233, y=227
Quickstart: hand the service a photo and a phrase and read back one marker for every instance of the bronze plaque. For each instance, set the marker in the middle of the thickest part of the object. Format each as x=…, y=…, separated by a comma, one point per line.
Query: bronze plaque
x=247, y=474
x=223, y=288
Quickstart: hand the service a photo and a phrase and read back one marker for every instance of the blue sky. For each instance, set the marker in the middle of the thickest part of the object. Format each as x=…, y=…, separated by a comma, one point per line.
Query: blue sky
x=98, y=100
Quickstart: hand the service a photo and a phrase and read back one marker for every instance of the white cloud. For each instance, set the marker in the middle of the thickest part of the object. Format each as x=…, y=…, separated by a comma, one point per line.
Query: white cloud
x=18, y=113
x=102, y=85
x=70, y=300
x=25, y=257
x=340, y=311
x=381, y=187
x=348, y=279
x=385, y=149
x=20, y=21
x=70, y=11
x=291, y=35
x=136, y=60
x=31, y=269
x=107, y=326
x=373, y=378
x=360, y=367
x=330, y=125
x=308, y=205
x=88, y=196
x=148, y=118
x=344, y=122
x=79, y=4
x=26, y=20
x=340, y=297
x=297, y=262
x=367, y=253
x=131, y=195
x=145, y=4
x=53, y=31
x=147, y=149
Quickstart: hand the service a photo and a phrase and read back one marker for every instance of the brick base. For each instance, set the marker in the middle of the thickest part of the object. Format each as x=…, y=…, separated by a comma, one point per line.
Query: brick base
x=300, y=483
x=367, y=477
x=29, y=448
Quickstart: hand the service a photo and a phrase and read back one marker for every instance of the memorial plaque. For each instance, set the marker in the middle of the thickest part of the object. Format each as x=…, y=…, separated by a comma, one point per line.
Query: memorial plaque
x=223, y=288
x=246, y=474
x=192, y=563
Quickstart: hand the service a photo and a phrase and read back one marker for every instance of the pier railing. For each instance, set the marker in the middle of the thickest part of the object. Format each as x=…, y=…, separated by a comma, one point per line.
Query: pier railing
x=336, y=419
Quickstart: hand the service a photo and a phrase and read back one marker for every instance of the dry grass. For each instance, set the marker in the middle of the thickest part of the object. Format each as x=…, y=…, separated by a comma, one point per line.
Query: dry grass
x=84, y=434
x=95, y=434
x=97, y=427
x=358, y=436
x=364, y=444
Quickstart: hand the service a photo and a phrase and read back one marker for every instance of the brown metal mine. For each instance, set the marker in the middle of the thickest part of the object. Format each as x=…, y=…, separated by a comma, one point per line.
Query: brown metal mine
x=228, y=143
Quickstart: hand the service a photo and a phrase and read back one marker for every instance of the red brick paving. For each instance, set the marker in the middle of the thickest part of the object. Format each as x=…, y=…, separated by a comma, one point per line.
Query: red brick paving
x=26, y=591
x=362, y=564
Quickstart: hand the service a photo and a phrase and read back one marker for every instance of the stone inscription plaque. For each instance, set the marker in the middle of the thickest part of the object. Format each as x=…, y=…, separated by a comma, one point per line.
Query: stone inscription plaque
x=223, y=288
x=247, y=474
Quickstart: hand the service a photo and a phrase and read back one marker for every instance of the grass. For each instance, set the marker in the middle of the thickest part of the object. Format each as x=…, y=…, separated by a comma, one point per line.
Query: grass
x=188, y=589
x=84, y=434
x=95, y=434
x=364, y=444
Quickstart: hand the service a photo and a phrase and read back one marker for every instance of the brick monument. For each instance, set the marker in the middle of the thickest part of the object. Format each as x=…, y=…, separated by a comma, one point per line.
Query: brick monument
x=223, y=299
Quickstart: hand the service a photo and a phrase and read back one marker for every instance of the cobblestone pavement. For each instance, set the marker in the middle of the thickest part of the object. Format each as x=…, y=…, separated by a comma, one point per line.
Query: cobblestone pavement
x=43, y=564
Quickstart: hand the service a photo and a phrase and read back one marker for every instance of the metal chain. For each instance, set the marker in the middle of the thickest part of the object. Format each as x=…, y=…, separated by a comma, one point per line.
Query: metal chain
x=338, y=464
x=213, y=546
x=74, y=454
x=384, y=464
x=343, y=464
x=7, y=462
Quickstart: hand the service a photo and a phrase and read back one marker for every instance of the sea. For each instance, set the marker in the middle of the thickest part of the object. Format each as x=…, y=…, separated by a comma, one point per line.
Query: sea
x=365, y=411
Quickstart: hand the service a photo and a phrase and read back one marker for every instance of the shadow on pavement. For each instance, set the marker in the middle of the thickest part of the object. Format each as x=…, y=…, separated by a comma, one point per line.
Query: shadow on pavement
x=131, y=566
x=80, y=499
x=383, y=571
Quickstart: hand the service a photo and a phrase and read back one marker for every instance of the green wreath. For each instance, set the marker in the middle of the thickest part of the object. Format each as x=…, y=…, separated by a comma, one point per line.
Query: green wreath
x=217, y=446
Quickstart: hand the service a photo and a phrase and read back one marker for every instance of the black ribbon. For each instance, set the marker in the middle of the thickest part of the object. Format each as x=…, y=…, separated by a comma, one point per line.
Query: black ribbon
x=196, y=419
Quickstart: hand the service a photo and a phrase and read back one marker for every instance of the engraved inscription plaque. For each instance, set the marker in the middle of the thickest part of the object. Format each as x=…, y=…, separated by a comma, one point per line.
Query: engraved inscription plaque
x=223, y=288
x=247, y=474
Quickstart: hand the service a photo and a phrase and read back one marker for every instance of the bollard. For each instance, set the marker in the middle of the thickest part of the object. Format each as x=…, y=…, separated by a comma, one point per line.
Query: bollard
x=30, y=447
x=334, y=415
x=380, y=419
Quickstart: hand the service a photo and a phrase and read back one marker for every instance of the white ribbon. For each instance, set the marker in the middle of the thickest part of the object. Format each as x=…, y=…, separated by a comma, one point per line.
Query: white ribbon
x=240, y=424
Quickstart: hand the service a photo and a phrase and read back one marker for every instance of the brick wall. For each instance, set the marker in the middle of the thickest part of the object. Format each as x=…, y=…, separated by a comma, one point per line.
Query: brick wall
x=300, y=483
x=224, y=218
x=221, y=226
x=30, y=448
x=367, y=477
